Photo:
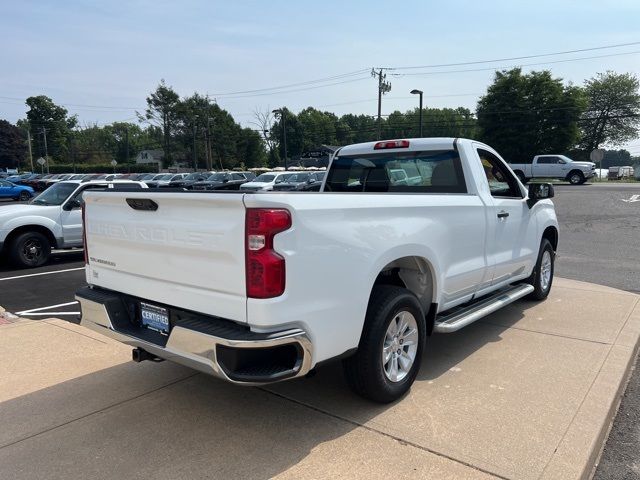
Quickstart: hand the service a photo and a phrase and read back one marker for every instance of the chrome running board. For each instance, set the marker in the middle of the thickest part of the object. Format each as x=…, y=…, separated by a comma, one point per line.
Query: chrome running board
x=460, y=318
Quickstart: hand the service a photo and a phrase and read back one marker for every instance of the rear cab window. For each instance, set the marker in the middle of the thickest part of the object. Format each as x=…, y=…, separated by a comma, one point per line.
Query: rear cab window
x=429, y=171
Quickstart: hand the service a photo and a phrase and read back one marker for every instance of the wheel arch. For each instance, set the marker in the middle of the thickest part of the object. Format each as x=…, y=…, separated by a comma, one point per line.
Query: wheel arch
x=416, y=273
x=32, y=228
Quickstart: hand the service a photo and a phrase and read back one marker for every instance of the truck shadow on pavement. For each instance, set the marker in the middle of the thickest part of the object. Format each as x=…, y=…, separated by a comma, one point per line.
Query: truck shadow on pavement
x=166, y=421
x=61, y=259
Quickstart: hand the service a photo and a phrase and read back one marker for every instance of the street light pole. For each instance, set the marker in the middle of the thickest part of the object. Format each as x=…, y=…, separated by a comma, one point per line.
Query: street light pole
x=419, y=92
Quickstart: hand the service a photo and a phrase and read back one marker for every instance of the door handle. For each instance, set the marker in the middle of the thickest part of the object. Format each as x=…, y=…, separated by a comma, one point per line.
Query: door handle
x=503, y=214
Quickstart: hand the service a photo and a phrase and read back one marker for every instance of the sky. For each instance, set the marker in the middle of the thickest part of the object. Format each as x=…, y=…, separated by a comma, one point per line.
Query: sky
x=101, y=59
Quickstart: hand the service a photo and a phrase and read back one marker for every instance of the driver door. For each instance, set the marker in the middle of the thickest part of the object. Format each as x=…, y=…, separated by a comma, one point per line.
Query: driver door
x=512, y=245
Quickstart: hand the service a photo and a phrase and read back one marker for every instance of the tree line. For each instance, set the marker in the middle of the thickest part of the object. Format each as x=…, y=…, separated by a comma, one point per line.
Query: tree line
x=521, y=115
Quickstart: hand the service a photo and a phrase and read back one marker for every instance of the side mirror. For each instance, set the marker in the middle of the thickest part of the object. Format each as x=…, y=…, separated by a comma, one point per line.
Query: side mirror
x=72, y=204
x=539, y=191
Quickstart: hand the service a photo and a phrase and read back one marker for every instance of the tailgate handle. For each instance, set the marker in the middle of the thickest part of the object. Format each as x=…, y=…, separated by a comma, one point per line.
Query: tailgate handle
x=142, y=204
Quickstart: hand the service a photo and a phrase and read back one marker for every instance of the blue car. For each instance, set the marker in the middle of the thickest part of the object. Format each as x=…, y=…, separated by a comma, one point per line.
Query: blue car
x=17, y=192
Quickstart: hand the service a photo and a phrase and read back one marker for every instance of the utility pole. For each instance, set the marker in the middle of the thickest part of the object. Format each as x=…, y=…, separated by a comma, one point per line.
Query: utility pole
x=209, y=153
x=284, y=134
x=195, y=161
x=209, y=122
x=383, y=87
x=73, y=153
x=46, y=151
x=30, y=152
x=126, y=135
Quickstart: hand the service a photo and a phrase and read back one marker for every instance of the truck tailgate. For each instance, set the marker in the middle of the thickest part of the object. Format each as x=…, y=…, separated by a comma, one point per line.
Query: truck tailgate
x=191, y=247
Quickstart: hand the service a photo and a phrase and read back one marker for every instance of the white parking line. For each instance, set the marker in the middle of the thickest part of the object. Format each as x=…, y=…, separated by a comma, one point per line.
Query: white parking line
x=29, y=312
x=43, y=273
x=51, y=314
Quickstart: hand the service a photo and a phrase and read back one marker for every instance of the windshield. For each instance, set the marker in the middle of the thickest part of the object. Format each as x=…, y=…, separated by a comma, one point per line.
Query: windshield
x=301, y=177
x=165, y=176
x=265, y=177
x=193, y=176
x=55, y=194
x=217, y=177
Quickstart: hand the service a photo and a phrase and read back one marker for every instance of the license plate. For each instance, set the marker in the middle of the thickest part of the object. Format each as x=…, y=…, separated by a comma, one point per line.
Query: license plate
x=155, y=318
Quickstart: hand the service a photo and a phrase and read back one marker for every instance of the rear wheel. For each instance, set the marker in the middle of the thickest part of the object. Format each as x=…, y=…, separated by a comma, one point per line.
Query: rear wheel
x=542, y=276
x=390, y=351
x=29, y=249
x=24, y=196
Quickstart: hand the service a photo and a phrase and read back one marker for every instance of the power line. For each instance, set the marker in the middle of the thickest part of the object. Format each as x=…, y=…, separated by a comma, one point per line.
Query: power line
x=514, y=66
x=309, y=82
x=477, y=62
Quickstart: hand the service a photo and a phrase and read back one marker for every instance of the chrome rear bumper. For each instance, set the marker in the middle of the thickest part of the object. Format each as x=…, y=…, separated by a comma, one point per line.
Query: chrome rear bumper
x=196, y=349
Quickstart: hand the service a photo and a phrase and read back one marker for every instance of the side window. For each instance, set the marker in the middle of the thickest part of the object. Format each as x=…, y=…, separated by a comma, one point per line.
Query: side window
x=549, y=160
x=501, y=182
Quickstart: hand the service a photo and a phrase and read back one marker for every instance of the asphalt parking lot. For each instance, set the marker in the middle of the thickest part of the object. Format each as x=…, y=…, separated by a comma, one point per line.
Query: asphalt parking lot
x=599, y=243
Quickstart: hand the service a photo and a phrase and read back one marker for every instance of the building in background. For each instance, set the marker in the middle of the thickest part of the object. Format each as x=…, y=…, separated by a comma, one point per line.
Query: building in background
x=146, y=157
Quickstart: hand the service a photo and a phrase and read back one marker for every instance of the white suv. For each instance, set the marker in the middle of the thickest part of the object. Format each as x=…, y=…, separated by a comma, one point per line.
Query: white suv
x=266, y=181
x=53, y=219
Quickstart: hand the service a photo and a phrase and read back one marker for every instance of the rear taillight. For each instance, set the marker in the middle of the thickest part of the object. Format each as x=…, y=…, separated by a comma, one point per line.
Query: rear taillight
x=391, y=144
x=84, y=236
x=265, y=269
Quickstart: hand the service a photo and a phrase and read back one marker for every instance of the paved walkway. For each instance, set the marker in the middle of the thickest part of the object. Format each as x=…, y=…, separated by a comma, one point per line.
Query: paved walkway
x=526, y=393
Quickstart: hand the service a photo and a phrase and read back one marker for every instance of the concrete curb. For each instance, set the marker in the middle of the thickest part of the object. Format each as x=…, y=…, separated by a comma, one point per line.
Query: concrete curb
x=586, y=436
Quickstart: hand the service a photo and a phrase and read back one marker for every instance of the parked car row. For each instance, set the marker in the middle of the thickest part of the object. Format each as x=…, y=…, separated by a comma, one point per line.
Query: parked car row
x=283, y=181
x=53, y=219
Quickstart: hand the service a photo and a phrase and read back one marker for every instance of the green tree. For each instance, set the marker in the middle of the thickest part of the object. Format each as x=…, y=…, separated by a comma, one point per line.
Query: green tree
x=443, y=122
x=13, y=148
x=523, y=115
x=318, y=128
x=163, y=110
x=126, y=140
x=45, y=118
x=613, y=113
x=361, y=128
x=295, y=134
x=250, y=149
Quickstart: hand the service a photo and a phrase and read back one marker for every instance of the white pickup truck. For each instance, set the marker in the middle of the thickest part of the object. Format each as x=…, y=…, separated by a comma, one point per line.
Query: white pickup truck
x=53, y=219
x=558, y=167
x=260, y=287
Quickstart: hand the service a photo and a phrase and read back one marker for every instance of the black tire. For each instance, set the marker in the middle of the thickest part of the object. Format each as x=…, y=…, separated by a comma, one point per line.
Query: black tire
x=24, y=196
x=29, y=250
x=542, y=288
x=576, y=177
x=365, y=371
x=521, y=177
